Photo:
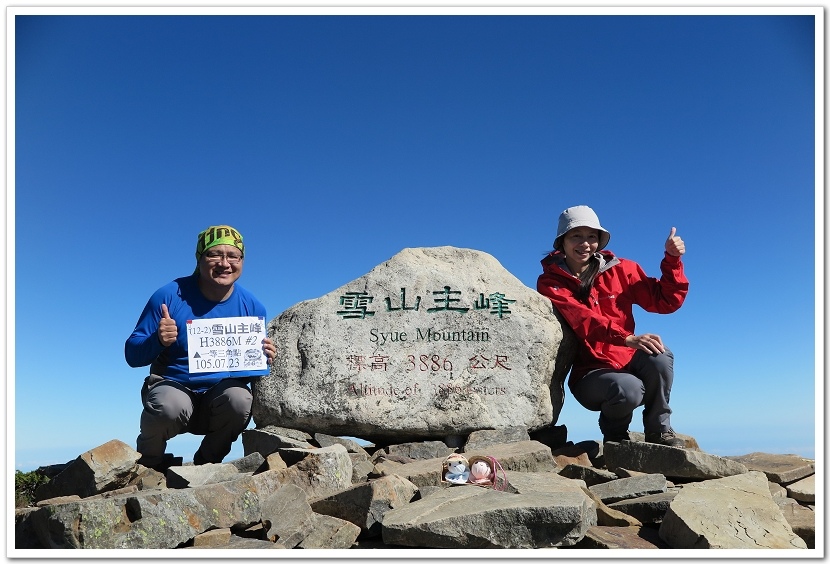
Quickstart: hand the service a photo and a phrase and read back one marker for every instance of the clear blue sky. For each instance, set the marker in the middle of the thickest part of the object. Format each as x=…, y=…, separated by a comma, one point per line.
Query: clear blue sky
x=333, y=142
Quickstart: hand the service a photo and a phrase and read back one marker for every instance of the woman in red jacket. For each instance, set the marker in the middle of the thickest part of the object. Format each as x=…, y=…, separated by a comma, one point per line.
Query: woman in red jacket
x=616, y=370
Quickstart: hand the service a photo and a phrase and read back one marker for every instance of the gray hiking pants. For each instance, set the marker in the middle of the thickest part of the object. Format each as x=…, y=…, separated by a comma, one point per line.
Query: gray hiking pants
x=221, y=413
x=646, y=381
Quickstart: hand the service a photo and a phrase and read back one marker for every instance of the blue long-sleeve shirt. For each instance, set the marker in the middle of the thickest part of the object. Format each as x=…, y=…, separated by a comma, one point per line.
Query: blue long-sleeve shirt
x=185, y=301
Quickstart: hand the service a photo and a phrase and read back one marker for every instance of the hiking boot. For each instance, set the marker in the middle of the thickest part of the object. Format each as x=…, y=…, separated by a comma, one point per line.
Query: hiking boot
x=666, y=438
x=160, y=464
x=198, y=459
x=614, y=430
x=616, y=438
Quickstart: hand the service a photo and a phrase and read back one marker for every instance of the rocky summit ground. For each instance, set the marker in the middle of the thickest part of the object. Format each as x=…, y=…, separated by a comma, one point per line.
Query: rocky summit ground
x=292, y=490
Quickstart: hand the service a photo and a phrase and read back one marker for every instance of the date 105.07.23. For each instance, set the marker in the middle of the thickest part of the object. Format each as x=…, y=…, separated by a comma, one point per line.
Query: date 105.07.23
x=217, y=363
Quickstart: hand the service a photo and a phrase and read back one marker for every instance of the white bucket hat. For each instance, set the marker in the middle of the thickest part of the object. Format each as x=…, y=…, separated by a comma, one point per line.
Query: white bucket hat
x=580, y=216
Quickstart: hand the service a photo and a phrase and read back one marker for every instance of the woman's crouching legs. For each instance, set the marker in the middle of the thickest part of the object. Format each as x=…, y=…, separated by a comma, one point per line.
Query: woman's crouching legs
x=615, y=395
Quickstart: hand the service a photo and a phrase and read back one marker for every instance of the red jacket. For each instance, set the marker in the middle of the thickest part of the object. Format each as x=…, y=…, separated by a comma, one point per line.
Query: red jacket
x=603, y=324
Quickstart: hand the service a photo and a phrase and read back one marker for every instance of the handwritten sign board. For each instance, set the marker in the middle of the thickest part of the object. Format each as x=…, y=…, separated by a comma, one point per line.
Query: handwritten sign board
x=226, y=344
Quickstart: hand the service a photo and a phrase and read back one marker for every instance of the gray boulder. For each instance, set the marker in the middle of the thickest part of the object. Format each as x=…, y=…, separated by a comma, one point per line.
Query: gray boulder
x=322, y=472
x=107, y=467
x=151, y=519
x=312, y=504
x=366, y=504
x=733, y=512
x=474, y=517
x=361, y=469
x=434, y=342
x=287, y=516
x=249, y=463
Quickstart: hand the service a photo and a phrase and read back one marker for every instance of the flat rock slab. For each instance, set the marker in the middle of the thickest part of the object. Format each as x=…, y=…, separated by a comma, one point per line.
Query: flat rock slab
x=606, y=516
x=779, y=468
x=484, y=438
x=588, y=474
x=330, y=532
x=528, y=483
x=434, y=342
x=621, y=538
x=240, y=543
x=421, y=450
x=351, y=446
x=646, y=509
x=473, y=517
x=191, y=476
x=733, y=512
x=691, y=442
x=213, y=538
x=627, y=488
x=803, y=490
x=670, y=461
x=271, y=438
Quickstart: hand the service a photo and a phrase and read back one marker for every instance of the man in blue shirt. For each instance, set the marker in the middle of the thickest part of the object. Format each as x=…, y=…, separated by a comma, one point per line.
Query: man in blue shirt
x=215, y=404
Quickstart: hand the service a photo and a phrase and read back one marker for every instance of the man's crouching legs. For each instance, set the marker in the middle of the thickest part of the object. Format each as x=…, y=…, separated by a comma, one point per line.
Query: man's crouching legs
x=223, y=413
x=167, y=411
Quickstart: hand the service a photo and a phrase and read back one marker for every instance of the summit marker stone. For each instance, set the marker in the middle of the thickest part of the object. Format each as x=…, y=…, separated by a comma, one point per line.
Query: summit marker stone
x=434, y=342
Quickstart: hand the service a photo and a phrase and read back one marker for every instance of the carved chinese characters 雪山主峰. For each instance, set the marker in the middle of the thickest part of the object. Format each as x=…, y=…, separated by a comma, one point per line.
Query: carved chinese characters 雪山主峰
x=355, y=305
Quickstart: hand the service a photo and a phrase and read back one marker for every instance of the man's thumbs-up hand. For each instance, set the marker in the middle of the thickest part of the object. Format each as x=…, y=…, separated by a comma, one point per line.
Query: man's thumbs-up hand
x=674, y=244
x=168, y=332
